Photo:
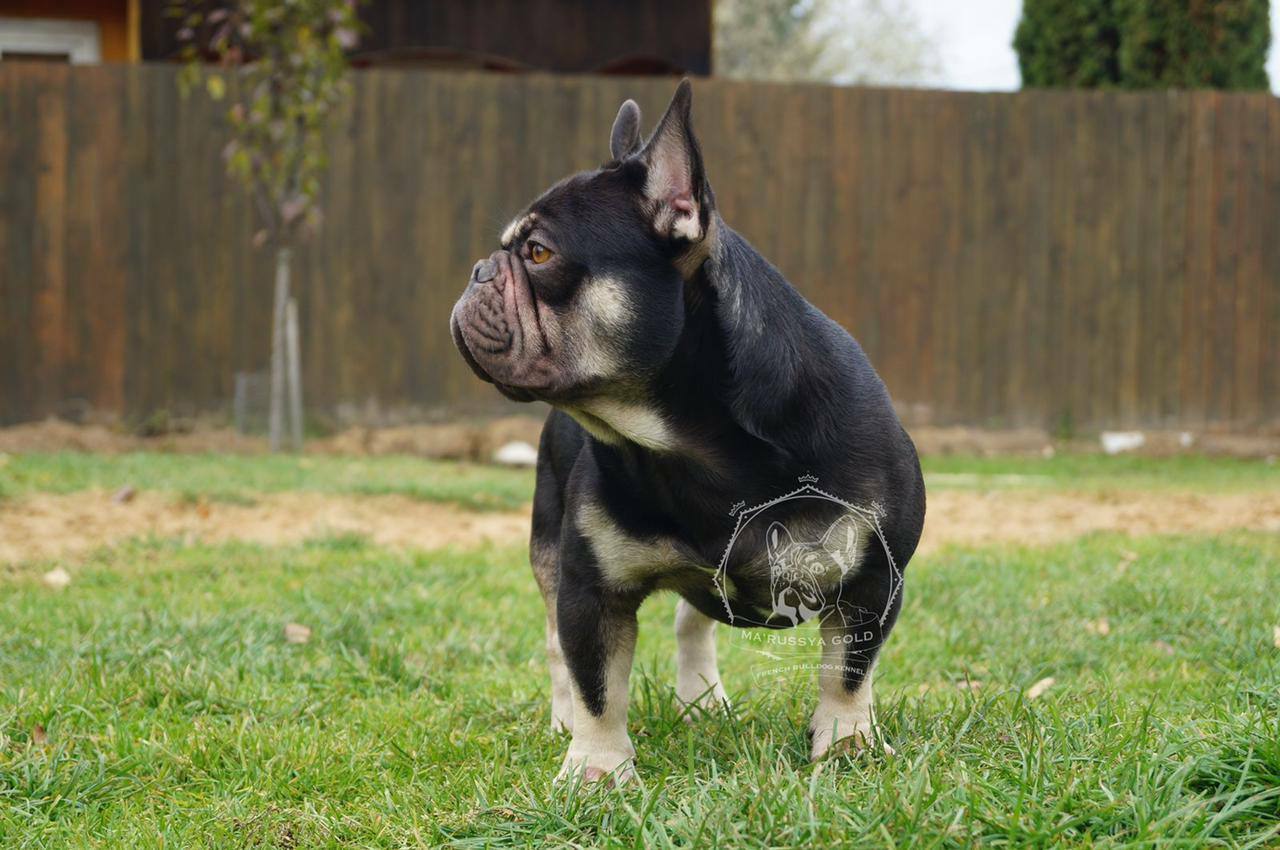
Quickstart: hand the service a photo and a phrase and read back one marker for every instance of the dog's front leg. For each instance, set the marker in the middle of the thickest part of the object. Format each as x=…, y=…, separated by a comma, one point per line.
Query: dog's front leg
x=598, y=637
x=852, y=636
x=844, y=713
x=545, y=556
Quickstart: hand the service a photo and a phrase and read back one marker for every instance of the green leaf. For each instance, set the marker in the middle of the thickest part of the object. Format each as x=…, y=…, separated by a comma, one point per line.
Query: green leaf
x=216, y=86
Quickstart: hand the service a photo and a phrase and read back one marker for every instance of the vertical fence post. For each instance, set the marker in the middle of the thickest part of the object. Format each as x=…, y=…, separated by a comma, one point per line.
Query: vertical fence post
x=276, y=426
x=295, y=373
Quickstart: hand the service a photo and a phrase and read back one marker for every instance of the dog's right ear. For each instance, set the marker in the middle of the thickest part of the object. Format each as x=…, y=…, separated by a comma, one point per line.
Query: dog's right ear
x=676, y=185
x=625, y=138
x=841, y=542
x=777, y=540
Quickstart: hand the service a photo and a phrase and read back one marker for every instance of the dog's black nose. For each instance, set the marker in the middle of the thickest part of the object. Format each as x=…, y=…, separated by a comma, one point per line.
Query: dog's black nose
x=484, y=271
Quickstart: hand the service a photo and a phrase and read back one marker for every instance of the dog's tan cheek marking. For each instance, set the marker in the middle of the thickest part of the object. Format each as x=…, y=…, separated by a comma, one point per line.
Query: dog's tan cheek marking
x=604, y=312
x=605, y=300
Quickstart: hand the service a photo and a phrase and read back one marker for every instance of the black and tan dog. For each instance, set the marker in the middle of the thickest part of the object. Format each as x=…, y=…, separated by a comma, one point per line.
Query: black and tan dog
x=687, y=376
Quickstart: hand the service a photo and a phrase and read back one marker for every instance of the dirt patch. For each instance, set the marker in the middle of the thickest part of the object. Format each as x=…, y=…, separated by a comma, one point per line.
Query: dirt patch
x=48, y=526
x=1029, y=442
x=1020, y=516
x=55, y=435
x=476, y=440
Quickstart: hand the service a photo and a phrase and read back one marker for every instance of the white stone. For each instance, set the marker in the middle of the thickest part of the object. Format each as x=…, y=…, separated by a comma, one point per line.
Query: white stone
x=1115, y=442
x=516, y=453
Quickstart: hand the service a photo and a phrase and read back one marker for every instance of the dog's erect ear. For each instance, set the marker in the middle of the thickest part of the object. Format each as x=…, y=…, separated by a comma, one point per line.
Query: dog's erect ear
x=676, y=185
x=841, y=542
x=778, y=540
x=625, y=138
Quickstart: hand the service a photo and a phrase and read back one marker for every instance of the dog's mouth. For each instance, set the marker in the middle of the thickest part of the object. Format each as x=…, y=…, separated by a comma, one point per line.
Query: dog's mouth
x=496, y=329
x=460, y=342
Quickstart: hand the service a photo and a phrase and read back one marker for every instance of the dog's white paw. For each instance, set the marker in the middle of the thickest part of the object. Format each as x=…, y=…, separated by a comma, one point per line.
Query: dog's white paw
x=700, y=700
x=561, y=719
x=855, y=738
x=615, y=768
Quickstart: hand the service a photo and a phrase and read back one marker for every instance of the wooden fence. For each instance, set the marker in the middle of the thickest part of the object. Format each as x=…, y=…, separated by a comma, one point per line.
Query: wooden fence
x=1045, y=258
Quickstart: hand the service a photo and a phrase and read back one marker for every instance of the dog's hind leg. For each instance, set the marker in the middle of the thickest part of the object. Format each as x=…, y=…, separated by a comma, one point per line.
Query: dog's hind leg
x=851, y=641
x=698, y=683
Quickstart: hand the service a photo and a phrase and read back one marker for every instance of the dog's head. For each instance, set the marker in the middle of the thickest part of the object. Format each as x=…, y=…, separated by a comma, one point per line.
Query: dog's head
x=584, y=296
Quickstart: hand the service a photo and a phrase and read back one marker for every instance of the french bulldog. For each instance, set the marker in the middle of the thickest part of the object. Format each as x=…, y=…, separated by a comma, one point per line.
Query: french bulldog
x=686, y=375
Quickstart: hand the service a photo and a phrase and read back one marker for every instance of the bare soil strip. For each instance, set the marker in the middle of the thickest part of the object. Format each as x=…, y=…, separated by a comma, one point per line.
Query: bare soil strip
x=478, y=439
x=49, y=526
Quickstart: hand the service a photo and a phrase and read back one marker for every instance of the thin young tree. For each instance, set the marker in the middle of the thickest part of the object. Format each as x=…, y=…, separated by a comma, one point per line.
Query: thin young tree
x=282, y=67
x=870, y=42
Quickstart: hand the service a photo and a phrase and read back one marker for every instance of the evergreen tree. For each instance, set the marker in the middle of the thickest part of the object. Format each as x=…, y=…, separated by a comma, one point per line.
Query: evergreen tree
x=1137, y=44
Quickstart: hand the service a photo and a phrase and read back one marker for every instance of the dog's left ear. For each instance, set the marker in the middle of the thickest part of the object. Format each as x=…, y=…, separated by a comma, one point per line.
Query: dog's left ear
x=676, y=185
x=625, y=138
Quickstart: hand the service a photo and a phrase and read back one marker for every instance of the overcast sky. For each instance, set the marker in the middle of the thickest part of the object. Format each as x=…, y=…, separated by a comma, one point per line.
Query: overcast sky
x=976, y=41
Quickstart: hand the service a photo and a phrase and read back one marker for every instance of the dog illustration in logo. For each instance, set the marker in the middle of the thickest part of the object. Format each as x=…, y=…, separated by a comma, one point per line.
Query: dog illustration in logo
x=805, y=578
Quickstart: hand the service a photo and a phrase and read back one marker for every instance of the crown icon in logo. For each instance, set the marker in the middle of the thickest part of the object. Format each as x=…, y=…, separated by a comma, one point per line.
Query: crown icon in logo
x=808, y=478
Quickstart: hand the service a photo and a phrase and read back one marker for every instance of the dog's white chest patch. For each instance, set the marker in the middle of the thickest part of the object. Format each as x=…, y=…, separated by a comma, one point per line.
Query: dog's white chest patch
x=612, y=422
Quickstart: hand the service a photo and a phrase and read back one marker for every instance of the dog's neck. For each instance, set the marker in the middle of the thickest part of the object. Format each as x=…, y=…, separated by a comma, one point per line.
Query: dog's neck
x=684, y=420
x=691, y=415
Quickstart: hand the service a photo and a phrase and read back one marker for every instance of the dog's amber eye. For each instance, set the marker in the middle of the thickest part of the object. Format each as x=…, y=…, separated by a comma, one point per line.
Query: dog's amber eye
x=539, y=253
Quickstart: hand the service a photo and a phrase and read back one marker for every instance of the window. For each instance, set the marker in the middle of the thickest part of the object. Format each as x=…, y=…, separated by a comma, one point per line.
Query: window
x=76, y=42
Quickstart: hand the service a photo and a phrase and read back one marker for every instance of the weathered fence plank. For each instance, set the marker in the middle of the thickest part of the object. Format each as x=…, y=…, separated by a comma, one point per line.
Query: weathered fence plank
x=1063, y=259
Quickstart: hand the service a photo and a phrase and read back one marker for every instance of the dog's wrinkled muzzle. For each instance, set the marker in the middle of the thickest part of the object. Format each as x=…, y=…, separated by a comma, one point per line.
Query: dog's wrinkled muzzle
x=488, y=329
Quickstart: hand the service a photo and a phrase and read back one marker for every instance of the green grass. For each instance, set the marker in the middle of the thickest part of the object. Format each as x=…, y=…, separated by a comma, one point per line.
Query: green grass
x=238, y=479
x=177, y=716
x=1098, y=471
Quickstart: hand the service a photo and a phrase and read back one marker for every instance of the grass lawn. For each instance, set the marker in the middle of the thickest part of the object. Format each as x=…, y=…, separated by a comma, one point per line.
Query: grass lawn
x=155, y=702
x=1099, y=472
x=239, y=478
